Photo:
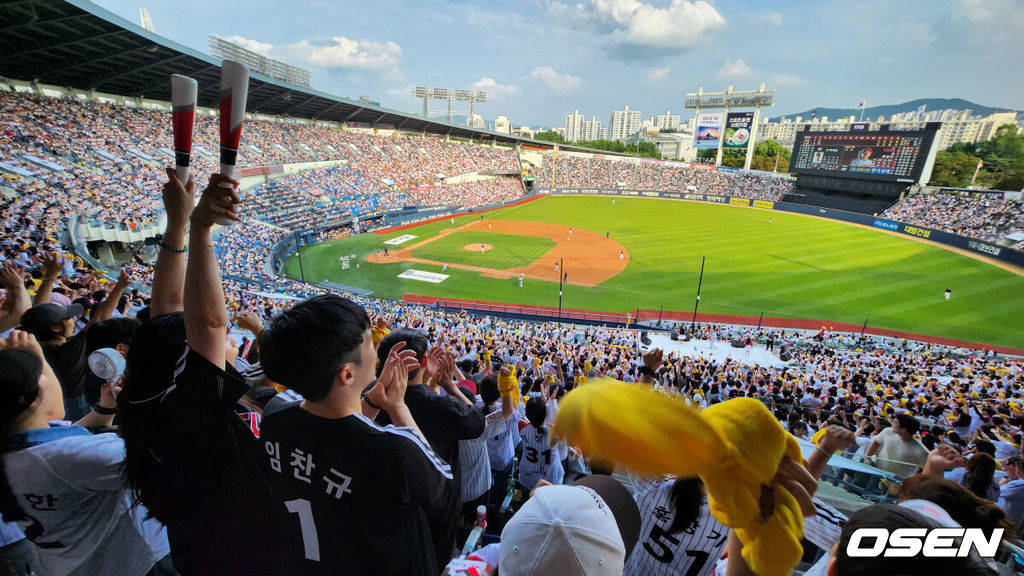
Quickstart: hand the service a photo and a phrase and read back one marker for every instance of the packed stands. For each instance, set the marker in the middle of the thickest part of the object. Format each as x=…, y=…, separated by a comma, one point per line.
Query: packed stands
x=867, y=413
x=608, y=172
x=984, y=216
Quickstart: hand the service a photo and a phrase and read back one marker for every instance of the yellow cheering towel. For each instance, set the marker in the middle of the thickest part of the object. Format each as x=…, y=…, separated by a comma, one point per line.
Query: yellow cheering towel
x=377, y=334
x=735, y=447
x=509, y=385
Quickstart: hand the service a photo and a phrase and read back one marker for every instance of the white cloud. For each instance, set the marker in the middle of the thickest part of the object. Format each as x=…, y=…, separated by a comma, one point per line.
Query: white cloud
x=494, y=90
x=342, y=52
x=657, y=73
x=560, y=84
x=678, y=26
x=734, y=69
x=785, y=80
x=254, y=45
x=770, y=19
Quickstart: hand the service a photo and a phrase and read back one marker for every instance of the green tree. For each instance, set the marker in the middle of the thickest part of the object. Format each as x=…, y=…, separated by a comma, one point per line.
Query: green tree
x=769, y=163
x=549, y=136
x=706, y=154
x=769, y=148
x=953, y=169
x=734, y=158
x=1012, y=176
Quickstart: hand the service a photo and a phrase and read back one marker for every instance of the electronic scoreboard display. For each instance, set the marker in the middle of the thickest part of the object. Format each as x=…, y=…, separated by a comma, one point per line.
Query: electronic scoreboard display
x=892, y=156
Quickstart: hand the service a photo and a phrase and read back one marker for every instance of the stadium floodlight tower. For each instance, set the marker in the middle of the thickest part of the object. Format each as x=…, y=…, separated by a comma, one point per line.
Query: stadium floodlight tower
x=449, y=95
x=471, y=96
x=733, y=131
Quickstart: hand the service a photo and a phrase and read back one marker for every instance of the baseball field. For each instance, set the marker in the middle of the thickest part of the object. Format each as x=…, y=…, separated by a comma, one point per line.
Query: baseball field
x=646, y=253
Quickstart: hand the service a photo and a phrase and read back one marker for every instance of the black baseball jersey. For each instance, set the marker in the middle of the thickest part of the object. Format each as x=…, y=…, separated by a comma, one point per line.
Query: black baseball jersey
x=360, y=498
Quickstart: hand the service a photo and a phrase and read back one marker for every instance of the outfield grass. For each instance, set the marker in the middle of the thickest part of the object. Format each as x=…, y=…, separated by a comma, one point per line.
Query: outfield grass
x=796, y=266
x=507, y=250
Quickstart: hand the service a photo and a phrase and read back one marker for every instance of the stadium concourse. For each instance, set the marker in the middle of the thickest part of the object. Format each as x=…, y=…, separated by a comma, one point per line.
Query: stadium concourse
x=201, y=460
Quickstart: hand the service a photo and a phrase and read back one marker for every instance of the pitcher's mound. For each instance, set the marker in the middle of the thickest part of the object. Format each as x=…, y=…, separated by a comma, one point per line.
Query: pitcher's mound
x=476, y=247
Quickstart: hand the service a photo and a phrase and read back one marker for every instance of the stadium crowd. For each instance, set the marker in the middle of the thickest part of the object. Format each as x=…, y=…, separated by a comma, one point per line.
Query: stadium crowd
x=984, y=216
x=605, y=172
x=461, y=404
x=84, y=157
x=264, y=426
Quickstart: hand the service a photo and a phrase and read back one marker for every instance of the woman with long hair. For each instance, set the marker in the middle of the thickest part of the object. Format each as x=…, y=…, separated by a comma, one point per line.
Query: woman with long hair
x=63, y=484
x=963, y=505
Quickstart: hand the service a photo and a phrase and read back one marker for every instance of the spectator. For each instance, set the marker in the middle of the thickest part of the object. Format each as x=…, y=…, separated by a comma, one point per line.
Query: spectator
x=897, y=450
x=444, y=419
x=355, y=487
x=196, y=465
x=65, y=482
x=586, y=529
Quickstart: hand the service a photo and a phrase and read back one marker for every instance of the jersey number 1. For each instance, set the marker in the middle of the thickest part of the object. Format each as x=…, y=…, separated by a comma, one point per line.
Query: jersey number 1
x=310, y=540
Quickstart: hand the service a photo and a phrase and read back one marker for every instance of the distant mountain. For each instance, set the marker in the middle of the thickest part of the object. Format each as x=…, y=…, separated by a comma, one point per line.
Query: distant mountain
x=456, y=118
x=873, y=112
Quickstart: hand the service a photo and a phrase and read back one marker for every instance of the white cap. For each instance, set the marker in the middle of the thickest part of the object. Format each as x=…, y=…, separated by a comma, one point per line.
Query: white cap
x=107, y=363
x=563, y=530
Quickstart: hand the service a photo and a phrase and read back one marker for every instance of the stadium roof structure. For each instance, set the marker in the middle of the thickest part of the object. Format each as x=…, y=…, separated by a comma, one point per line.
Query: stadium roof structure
x=77, y=44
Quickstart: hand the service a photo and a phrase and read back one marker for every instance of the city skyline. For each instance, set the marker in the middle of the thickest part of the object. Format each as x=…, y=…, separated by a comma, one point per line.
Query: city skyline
x=598, y=55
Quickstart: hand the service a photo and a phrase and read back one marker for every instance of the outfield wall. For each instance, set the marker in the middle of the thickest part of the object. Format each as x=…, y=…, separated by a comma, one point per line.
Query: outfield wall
x=987, y=249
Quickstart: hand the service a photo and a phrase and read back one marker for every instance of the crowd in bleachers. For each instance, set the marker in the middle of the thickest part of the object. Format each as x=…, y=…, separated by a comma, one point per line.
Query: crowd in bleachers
x=88, y=157
x=467, y=194
x=266, y=426
x=506, y=393
x=987, y=217
x=609, y=172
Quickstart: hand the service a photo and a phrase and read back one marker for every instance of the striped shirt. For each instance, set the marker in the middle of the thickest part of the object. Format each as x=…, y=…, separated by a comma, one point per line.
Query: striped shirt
x=658, y=552
x=474, y=463
x=502, y=445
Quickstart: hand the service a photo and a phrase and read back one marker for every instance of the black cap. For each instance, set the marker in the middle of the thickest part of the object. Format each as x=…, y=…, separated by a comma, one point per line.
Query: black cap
x=39, y=319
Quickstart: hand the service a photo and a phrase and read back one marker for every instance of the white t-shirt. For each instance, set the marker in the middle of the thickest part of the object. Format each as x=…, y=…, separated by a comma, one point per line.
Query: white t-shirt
x=900, y=455
x=71, y=483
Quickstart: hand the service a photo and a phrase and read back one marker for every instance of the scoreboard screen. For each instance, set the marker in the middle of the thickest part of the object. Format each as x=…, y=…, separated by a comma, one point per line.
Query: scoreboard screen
x=893, y=156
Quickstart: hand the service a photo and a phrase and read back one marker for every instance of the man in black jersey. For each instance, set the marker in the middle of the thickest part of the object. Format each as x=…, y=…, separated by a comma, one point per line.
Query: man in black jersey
x=361, y=498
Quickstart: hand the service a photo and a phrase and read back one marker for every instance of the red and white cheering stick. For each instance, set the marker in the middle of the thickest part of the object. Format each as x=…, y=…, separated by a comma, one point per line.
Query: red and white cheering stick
x=183, y=115
x=234, y=88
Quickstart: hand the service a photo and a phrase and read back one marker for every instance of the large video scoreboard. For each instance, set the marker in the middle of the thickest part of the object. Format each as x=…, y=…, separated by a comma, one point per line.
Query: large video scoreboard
x=884, y=155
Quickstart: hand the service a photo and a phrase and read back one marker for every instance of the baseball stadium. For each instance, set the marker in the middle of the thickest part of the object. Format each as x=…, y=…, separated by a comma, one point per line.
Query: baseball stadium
x=253, y=327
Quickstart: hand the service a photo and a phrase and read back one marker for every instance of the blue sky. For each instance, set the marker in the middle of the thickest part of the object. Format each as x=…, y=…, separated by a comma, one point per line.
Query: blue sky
x=541, y=59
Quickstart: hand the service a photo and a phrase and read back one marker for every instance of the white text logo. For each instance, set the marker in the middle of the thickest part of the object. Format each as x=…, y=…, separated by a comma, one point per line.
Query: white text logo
x=934, y=543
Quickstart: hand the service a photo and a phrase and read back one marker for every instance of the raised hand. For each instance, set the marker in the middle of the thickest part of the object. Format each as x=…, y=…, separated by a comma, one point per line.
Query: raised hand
x=653, y=358
x=53, y=263
x=18, y=340
x=123, y=279
x=389, y=392
x=179, y=199
x=108, y=394
x=943, y=459
x=218, y=201
x=432, y=361
x=800, y=483
x=250, y=321
x=10, y=276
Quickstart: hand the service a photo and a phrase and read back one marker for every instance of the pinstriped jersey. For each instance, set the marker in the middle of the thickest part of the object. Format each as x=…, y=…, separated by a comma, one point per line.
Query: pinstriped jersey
x=692, y=552
x=540, y=460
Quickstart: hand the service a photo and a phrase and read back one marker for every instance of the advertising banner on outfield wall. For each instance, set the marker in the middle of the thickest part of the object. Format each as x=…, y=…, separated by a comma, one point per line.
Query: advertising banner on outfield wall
x=737, y=130
x=709, y=130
